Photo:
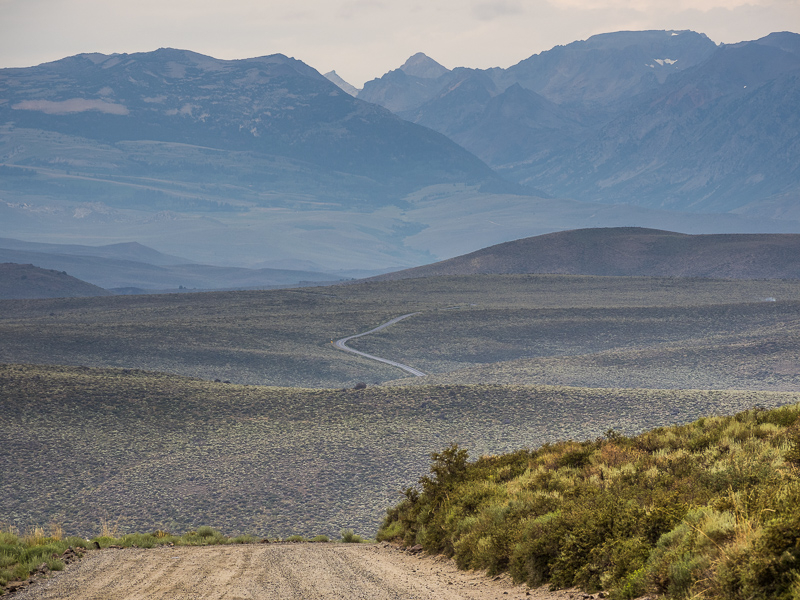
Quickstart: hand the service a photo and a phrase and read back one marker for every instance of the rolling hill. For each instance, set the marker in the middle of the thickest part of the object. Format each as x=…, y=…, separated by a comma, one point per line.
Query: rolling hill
x=27, y=281
x=120, y=251
x=629, y=251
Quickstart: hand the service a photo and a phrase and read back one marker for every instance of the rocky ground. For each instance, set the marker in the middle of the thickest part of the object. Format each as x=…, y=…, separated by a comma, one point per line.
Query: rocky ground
x=275, y=571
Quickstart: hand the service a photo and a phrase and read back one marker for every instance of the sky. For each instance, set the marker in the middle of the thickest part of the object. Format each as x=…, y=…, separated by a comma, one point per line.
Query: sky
x=363, y=39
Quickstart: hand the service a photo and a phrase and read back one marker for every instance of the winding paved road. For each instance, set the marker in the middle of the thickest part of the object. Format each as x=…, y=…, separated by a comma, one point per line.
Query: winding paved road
x=342, y=345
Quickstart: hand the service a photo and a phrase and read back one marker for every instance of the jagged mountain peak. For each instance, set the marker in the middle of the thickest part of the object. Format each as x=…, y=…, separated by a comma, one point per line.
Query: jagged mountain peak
x=616, y=118
x=732, y=69
x=334, y=78
x=422, y=66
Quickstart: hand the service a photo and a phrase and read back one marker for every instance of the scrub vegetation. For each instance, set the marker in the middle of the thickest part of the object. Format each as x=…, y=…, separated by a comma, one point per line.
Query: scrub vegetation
x=282, y=337
x=580, y=396
x=703, y=510
x=155, y=451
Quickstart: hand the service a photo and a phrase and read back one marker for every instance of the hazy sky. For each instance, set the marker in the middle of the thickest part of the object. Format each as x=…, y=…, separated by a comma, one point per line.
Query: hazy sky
x=362, y=39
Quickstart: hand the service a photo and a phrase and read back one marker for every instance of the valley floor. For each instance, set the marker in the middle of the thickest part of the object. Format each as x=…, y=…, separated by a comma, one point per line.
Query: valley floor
x=274, y=571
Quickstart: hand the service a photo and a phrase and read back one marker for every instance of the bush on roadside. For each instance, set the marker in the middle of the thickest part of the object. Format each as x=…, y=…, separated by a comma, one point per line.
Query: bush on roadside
x=20, y=556
x=350, y=537
x=705, y=510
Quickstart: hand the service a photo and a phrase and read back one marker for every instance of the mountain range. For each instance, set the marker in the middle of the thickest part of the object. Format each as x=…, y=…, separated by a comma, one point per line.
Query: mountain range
x=662, y=119
x=179, y=113
x=266, y=163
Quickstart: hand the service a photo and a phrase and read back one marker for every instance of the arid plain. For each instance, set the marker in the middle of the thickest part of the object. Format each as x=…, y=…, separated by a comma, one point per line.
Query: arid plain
x=133, y=427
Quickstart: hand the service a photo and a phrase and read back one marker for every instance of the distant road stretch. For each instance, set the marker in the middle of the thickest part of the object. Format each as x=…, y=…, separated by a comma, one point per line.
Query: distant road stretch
x=342, y=345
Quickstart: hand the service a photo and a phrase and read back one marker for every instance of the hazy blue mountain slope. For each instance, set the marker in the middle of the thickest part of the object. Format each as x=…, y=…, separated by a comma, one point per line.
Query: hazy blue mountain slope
x=399, y=91
x=785, y=40
x=716, y=138
x=663, y=119
x=110, y=273
x=501, y=128
x=408, y=86
x=121, y=251
x=458, y=105
x=607, y=68
x=271, y=106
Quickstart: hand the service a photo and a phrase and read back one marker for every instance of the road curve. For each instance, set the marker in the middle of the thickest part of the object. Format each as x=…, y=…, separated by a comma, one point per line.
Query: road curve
x=342, y=345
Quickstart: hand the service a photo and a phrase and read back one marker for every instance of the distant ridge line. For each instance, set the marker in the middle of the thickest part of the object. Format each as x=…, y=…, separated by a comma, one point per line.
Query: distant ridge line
x=628, y=252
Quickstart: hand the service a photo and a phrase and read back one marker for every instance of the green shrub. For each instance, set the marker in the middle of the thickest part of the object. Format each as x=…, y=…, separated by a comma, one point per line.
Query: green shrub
x=349, y=537
x=792, y=454
x=205, y=532
x=773, y=566
x=705, y=510
x=393, y=532
x=634, y=585
x=160, y=534
x=537, y=548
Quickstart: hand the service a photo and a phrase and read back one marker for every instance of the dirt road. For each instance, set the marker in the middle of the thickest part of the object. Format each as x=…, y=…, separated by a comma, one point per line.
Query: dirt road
x=273, y=572
x=342, y=345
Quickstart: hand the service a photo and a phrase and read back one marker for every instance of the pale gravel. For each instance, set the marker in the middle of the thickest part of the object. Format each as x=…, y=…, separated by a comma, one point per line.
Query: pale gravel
x=275, y=572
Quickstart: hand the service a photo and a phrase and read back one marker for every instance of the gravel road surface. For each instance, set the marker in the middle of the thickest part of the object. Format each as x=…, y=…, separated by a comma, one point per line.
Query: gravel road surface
x=342, y=345
x=273, y=572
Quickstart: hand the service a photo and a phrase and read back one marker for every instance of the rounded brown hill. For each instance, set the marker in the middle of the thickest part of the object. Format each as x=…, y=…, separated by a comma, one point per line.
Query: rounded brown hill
x=19, y=282
x=629, y=251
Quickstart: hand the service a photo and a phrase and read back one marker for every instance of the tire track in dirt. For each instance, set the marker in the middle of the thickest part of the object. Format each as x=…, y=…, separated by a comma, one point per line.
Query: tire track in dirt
x=273, y=572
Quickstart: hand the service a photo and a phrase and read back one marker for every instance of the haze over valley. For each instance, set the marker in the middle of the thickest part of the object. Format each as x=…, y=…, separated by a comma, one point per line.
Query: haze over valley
x=242, y=301
x=265, y=163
